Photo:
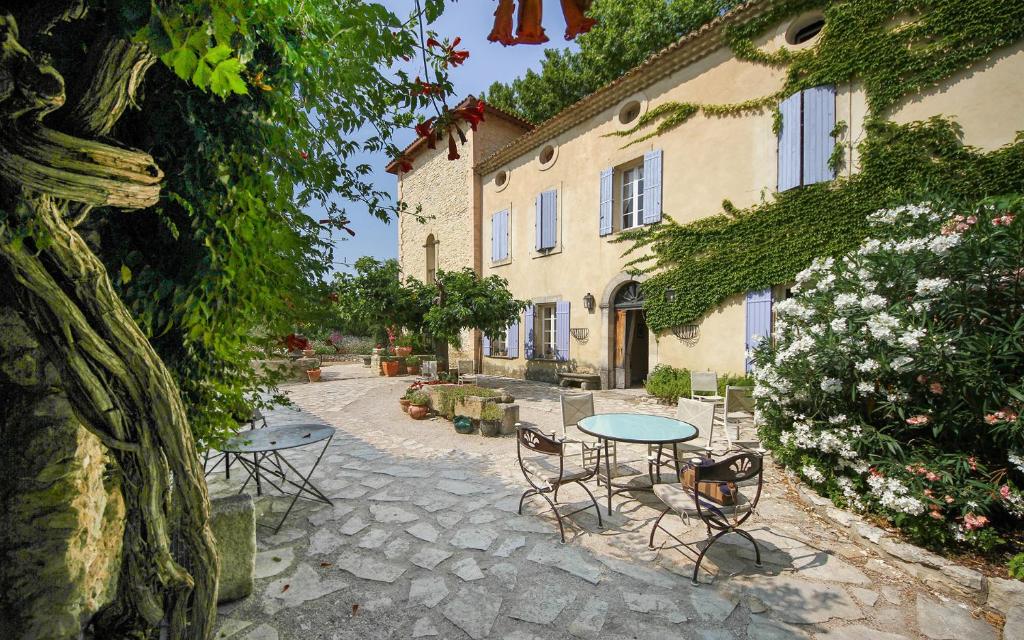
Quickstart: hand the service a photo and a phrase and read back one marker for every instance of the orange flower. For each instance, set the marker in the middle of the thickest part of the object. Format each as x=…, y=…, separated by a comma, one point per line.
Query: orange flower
x=502, y=31
x=473, y=114
x=453, y=147
x=425, y=129
x=404, y=165
x=576, y=21
x=529, y=30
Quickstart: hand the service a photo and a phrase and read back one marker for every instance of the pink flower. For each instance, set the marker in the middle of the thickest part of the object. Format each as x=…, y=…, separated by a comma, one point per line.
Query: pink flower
x=918, y=420
x=935, y=513
x=936, y=388
x=973, y=462
x=931, y=477
x=973, y=522
x=948, y=499
x=1005, y=220
x=1004, y=491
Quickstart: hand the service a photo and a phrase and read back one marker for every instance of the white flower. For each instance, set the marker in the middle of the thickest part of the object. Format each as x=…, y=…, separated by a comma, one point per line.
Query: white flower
x=1017, y=460
x=845, y=301
x=911, y=339
x=811, y=472
x=882, y=325
x=940, y=245
x=892, y=494
x=870, y=246
x=931, y=286
x=838, y=325
x=911, y=244
x=867, y=366
x=865, y=388
x=831, y=385
x=873, y=302
x=837, y=419
x=851, y=495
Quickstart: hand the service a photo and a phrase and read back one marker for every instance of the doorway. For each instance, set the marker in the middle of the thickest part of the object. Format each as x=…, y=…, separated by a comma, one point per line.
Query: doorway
x=632, y=339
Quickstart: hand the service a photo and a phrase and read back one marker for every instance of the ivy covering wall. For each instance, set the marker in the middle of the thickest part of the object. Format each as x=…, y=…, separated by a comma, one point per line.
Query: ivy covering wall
x=891, y=48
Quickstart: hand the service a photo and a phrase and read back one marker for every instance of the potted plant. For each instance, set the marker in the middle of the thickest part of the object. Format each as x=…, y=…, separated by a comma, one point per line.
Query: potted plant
x=404, y=400
x=419, y=405
x=412, y=365
x=404, y=345
x=490, y=420
x=313, y=374
x=389, y=366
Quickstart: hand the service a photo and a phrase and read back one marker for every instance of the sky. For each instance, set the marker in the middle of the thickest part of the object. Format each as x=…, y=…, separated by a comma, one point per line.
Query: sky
x=487, y=63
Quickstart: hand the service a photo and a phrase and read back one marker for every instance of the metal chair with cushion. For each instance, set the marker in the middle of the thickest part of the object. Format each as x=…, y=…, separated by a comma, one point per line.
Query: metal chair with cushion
x=732, y=475
x=700, y=415
x=548, y=470
x=704, y=387
x=739, y=406
x=575, y=407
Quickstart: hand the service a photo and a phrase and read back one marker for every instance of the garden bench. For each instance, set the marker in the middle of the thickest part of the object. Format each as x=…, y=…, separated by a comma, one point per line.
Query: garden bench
x=586, y=380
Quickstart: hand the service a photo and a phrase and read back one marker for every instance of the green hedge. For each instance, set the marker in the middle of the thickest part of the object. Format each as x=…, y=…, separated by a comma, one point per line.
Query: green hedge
x=670, y=383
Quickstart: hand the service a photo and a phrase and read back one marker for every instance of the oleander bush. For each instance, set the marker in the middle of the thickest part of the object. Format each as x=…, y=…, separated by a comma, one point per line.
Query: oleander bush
x=668, y=383
x=895, y=384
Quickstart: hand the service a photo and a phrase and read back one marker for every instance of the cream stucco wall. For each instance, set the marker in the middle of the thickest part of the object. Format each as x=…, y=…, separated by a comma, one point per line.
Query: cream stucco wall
x=706, y=160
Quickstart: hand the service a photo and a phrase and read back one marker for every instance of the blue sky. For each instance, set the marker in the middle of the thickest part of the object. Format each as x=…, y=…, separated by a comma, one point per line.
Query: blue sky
x=488, y=62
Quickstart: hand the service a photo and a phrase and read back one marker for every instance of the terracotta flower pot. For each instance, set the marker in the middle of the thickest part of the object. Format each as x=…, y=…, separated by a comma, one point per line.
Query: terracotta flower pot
x=413, y=369
x=403, y=352
x=313, y=374
x=309, y=353
x=390, y=368
x=418, y=411
x=405, y=404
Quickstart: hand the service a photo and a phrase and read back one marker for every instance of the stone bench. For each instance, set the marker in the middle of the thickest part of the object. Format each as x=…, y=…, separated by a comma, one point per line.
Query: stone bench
x=586, y=381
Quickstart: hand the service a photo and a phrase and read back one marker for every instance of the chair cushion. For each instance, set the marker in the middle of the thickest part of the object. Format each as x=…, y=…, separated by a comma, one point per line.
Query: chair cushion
x=681, y=500
x=708, y=398
x=546, y=468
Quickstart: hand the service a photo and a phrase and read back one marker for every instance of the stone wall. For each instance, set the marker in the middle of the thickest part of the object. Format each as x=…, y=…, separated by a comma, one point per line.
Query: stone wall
x=60, y=500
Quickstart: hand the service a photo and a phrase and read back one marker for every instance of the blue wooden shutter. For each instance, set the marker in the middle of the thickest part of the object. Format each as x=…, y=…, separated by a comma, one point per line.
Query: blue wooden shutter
x=495, y=244
x=506, y=234
x=652, y=186
x=548, y=236
x=562, y=329
x=540, y=221
x=789, y=143
x=487, y=345
x=819, y=121
x=759, y=320
x=606, y=202
x=512, y=340
x=530, y=328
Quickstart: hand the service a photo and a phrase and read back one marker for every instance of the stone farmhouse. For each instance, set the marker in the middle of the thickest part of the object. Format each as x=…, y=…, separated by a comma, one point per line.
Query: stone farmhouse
x=541, y=205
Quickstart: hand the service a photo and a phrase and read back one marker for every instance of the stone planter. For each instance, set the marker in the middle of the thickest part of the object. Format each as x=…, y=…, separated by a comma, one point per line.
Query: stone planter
x=366, y=360
x=418, y=411
x=404, y=402
x=490, y=429
x=313, y=375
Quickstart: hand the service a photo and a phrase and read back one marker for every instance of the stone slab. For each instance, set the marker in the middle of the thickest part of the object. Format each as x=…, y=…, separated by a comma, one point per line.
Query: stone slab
x=541, y=603
x=303, y=586
x=273, y=561
x=429, y=557
x=509, y=545
x=467, y=569
x=369, y=568
x=660, y=604
x=479, y=538
x=473, y=610
x=427, y=591
x=566, y=558
x=388, y=513
x=590, y=620
x=800, y=601
x=949, y=621
x=424, y=531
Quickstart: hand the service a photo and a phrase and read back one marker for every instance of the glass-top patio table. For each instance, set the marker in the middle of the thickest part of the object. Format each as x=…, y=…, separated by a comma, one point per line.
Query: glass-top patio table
x=636, y=428
x=268, y=443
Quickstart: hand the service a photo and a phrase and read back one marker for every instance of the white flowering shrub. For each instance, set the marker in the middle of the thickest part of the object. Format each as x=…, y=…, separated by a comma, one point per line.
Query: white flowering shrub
x=895, y=383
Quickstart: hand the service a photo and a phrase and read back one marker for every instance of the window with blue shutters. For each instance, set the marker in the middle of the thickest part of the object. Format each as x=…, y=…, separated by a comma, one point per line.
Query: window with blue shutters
x=759, y=321
x=805, y=140
x=562, y=330
x=529, y=325
x=503, y=345
x=500, y=236
x=652, y=187
x=605, y=216
x=547, y=220
x=547, y=331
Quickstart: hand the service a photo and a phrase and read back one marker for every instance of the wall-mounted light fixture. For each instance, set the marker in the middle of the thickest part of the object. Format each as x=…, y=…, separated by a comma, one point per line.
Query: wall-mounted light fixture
x=588, y=302
x=670, y=295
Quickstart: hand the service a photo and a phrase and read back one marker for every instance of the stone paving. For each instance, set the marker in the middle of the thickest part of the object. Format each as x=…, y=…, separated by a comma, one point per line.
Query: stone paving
x=423, y=541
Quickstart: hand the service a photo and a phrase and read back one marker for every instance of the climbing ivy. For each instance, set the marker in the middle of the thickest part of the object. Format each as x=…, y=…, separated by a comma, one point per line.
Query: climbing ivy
x=892, y=48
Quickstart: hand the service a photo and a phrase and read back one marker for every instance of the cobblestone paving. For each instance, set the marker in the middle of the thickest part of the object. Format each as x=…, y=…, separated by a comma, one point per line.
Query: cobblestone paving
x=424, y=537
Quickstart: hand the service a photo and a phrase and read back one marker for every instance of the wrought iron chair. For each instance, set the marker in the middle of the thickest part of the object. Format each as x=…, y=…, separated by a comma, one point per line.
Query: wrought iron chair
x=739, y=406
x=700, y=415
x=719, y=519
x=550, y=470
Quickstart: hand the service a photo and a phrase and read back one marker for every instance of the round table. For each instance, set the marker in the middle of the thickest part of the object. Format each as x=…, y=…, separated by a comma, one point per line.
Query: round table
x=270, y=441
x=638, y=428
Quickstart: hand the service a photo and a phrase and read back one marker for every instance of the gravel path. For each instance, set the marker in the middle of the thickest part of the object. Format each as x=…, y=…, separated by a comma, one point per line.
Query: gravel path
x=424, y=538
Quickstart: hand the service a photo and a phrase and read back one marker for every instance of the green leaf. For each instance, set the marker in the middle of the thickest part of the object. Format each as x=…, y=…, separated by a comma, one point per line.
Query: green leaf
x=126, y=274
x=201, y=78
x=185, y=61
x=218, y=54
x=227, y=78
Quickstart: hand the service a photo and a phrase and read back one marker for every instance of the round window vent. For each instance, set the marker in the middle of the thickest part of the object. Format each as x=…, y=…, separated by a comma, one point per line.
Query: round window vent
x=501, y=179
x=547, y=154
x=629, y=112
x=805, y=28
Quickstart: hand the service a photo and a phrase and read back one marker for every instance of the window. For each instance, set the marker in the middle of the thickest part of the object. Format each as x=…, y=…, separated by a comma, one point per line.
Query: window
x=499, y=346
x=431, y=247
x=805, y=28
x=546, y=346
x=500, y=233
x=547, y=220
x=633, y=197
x=805, y=141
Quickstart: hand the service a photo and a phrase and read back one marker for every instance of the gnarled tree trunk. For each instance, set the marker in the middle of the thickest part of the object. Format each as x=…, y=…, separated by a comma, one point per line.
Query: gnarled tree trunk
x=117, y=386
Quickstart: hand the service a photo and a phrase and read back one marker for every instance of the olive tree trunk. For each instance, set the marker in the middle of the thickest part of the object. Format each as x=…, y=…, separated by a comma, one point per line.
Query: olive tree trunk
x=117, y=386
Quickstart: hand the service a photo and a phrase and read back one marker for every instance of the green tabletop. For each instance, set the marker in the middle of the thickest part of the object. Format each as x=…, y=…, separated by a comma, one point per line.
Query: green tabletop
x=637, y=427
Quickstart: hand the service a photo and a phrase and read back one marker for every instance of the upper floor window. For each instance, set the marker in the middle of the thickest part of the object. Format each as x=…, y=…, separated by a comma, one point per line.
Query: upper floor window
x=547, y=220
x=633, y=197
x=806, y=141
x=431, y=247
x=500, y=236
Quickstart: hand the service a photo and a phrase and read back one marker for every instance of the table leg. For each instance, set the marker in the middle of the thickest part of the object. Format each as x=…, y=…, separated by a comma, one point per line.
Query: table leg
x=306, y=485
x=608, y=475
x=256, y=463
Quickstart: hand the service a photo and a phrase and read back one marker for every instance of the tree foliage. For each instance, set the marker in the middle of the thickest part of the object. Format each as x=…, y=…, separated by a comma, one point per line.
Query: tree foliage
x=626, y=34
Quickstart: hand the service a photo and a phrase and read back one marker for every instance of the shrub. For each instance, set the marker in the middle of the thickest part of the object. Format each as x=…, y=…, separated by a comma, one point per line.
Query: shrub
x=491, y=413
x=896, y=381
x=413, y=361
x=670, y=383
x=449, y=397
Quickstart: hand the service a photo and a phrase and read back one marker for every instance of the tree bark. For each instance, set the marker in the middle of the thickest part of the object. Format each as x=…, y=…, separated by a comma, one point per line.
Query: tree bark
x=118, y=386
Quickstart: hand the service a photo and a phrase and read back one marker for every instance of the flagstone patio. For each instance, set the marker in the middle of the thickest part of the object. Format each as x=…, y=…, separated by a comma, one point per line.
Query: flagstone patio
x=424, y=537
